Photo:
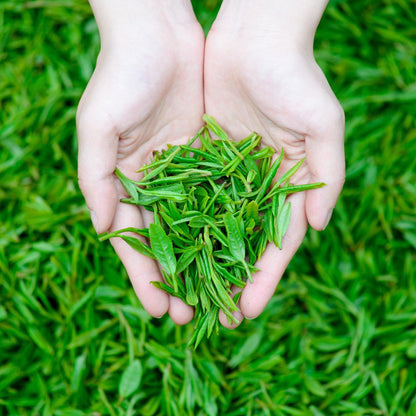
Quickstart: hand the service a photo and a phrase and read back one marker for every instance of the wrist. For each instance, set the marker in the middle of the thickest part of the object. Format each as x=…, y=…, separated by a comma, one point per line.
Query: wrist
x=127, y=21
x=290, y=25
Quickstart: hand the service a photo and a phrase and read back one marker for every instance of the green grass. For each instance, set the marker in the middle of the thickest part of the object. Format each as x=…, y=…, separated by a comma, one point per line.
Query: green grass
x=338, y=337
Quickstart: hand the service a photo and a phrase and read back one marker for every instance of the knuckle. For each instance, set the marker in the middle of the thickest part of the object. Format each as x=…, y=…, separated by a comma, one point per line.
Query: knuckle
x=82, y=122
x=334, y=114
x=341, y=180
x=84, y=185
x=338, y=114
x=328, y=120
x=90, y=123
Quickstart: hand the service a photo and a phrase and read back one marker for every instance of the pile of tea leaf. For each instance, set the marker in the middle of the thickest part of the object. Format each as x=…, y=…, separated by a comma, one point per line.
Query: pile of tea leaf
x=215, y=210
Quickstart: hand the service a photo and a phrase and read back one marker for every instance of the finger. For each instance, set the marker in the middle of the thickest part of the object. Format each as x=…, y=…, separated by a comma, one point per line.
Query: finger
x=326, y=162
x=274, y=261
x=237, y=315
x=141, y=269
x=179, y=312
x=97, y=152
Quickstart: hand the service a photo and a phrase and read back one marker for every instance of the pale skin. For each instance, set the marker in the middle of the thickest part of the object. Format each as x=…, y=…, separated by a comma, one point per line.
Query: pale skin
x=147, y=91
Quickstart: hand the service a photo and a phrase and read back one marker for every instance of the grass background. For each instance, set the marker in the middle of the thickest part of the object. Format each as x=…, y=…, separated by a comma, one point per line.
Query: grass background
x=338, y=337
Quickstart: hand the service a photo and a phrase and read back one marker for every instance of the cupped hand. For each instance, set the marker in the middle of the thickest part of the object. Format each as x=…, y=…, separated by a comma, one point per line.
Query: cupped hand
x=260, y=79
x=146, y=91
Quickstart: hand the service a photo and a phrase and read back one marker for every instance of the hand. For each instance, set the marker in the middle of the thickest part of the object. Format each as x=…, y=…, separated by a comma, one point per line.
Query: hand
x=146, y=91
x=260, y=75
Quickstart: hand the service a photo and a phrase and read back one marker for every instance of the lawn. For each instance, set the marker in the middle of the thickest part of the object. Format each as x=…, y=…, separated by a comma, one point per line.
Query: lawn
x=338, y=337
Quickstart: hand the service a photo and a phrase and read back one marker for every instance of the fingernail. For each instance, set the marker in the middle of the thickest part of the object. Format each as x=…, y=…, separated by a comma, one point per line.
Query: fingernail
x=94, y=220
x=328, y=217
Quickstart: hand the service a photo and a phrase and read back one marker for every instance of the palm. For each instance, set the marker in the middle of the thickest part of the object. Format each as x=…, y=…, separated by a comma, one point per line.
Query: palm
x=287, y=100
x=134, y=104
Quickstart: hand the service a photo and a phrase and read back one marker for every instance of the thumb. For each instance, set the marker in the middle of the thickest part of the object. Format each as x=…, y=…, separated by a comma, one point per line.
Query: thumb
x=97, y=153
x=326, y=163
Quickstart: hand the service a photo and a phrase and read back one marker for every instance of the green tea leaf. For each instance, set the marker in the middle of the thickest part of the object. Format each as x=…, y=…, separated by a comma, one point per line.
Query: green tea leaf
x=162, y=165
x=141, y=231
x=129, y=186
x=207, y=241
x=200, y=331
x=162, y=248
x=223, y=272
x=212, y=321
x=187, y=257
x=218, y=131
x=291, y=189
x=283, y=221
x=191, y=297
x=287, y=175
x=207, y=144
x=215, y=127
x=175, y=192
x=261, y=244
x=234, y=237
x=269, y=177
x=252, y=211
